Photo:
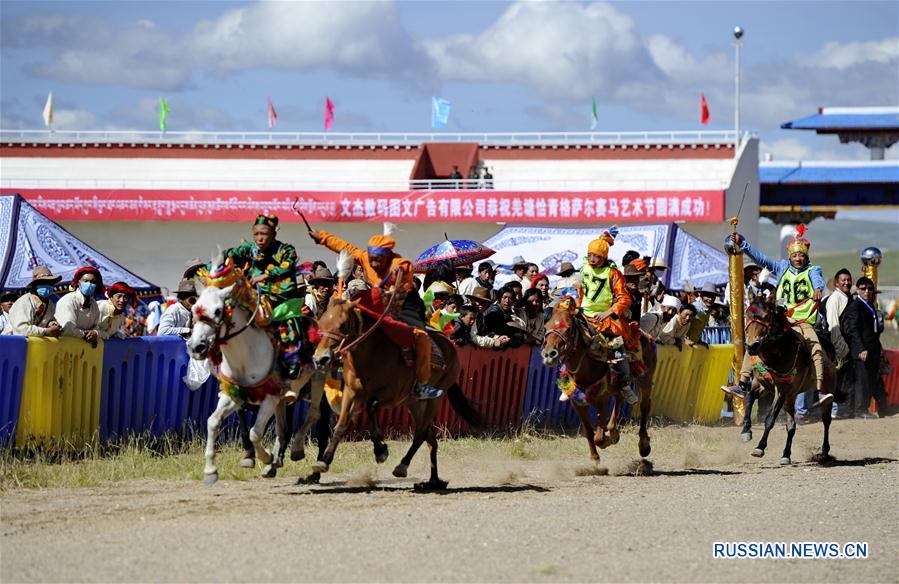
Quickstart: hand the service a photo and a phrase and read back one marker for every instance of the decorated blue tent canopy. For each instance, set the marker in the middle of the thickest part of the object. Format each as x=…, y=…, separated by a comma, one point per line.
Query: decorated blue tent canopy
x=691, y=261
x=29, y=239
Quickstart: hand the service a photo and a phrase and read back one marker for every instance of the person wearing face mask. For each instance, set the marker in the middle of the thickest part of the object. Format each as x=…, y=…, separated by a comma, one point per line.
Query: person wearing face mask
x=77, y=311
x=177, y=318
x=112, y=310
x=34, y=313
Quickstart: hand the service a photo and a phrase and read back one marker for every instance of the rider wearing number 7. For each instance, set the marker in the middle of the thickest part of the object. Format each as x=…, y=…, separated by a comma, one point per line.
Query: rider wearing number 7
x=800, y=286
x=606, y=303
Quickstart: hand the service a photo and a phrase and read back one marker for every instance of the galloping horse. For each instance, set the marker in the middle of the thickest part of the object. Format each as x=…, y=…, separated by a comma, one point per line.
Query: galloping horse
x=784, y=362
x=225, y=321
x=376, y=375
x=566, y=342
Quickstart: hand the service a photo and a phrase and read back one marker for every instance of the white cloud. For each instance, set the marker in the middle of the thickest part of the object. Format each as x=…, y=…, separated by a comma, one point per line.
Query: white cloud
x=362, y=39
x=561, y=50
x=844, y=55
x=73, y=119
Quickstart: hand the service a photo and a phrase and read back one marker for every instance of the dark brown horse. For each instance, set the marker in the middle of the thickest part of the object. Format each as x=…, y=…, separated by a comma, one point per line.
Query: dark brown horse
x=786, y=364
x=566, y=342
x=376, y=375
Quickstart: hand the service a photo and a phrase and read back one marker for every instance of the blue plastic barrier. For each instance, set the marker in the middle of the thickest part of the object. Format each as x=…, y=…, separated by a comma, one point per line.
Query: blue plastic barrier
x=142, y=390
x=12, y=373
x=716, y=335
x=541, y=397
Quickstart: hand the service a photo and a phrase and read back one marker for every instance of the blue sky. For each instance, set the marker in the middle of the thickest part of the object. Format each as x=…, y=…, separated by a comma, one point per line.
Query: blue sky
x=524, y=66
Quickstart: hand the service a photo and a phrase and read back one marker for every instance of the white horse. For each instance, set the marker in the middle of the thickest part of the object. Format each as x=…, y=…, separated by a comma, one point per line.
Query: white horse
x=224, y=318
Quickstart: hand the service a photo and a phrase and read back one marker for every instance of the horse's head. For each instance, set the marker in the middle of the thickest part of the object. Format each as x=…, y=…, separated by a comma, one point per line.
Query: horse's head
x=213, y=314
x=559, y=332
x=336, y=326
x=764, y=320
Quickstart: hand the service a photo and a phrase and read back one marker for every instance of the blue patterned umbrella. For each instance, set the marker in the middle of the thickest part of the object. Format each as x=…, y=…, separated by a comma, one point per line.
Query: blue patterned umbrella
x=458, y=252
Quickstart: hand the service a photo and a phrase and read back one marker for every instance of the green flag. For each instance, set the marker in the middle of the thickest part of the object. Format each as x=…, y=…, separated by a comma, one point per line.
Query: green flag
x=164, y=111
x=595, y=117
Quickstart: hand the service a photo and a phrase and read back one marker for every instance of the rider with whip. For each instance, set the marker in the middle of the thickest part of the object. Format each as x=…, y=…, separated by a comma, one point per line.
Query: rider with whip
x=800, y=286
x=392, y=273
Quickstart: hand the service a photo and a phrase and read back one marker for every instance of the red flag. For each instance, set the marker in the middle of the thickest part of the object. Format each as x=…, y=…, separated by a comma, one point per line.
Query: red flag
x=272, y=114
x=329, y=113
x=705, y=111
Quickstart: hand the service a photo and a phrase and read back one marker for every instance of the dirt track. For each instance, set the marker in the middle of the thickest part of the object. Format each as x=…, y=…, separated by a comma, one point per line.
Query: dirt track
x=542, y=518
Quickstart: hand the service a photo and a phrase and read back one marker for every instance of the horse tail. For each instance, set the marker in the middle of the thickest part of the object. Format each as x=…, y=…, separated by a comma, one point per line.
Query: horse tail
x=462, y=406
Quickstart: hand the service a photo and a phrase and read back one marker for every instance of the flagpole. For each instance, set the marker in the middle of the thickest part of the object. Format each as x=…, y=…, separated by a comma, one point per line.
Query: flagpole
x=738, y=34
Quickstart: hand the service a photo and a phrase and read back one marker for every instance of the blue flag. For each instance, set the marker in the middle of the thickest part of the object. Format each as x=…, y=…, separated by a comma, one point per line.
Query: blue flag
x=440, y=110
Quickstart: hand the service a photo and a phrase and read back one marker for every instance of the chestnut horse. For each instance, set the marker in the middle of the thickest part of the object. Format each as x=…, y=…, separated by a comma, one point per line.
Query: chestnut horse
x=784, y=362
x=375, y=375
x=566, y=342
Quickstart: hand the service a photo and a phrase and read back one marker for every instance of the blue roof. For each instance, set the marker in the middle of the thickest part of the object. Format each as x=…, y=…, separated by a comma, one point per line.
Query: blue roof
x=809, y=172
x=833, y=119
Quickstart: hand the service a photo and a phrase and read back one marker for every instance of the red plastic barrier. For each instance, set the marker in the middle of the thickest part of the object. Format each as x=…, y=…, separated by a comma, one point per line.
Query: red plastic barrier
x=891, y=382
x=494, y=381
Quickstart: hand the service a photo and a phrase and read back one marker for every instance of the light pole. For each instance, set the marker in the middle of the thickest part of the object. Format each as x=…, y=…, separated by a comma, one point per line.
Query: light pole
x=738, y=34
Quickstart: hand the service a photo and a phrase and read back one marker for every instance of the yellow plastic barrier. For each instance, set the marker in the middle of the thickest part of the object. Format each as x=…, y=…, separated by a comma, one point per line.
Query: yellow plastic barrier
x=686, y=385
x=60, y=392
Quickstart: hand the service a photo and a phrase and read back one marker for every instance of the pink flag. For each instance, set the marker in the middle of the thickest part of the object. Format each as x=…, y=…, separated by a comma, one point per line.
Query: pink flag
x=329, y=113
x=272, y=114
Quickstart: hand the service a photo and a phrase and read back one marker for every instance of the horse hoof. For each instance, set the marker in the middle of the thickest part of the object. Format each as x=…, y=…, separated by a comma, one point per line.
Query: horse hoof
x=297, y=455
x=757, y=452
x=320, y=467
x=401, y=471
x=248, y=462
x=785, y=461
x=381, y=454
x=746, y=437
x=269, y=471
x=645, y=450
x=312, y=479
x=437, y=485
x=211, y=478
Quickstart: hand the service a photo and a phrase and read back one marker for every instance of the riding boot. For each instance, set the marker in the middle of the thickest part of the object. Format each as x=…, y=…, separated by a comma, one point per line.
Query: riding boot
x=623, y=370
x=740, y=390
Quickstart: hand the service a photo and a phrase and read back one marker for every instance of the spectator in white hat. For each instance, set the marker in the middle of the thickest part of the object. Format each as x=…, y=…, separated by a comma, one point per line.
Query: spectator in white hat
x=34, y=313
x=676, y=329
x=653, y=323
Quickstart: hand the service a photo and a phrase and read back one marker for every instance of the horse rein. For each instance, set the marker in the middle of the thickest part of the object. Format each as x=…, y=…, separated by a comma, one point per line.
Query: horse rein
x=226, y=322
x=342, y=337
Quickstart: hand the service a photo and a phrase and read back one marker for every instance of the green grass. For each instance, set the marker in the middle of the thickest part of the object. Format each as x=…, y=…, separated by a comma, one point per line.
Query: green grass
x=888, y=274
x=174, y=460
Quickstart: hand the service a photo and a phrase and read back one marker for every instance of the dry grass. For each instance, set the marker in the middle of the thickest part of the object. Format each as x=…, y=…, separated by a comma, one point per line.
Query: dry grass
x=513, y=454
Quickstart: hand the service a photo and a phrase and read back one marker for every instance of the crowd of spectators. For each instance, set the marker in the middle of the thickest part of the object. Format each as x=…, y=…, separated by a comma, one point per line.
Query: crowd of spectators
x=476, y=179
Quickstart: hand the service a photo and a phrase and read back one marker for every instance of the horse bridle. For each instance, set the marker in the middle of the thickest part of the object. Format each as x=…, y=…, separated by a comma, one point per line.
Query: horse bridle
x=225, y=321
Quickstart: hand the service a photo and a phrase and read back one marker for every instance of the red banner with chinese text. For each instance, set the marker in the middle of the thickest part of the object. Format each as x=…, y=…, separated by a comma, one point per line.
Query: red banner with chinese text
x=412, y=206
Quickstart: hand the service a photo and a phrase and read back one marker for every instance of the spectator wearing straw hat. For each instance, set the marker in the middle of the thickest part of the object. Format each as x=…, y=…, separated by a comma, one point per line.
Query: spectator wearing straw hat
x=77, y=311
x=34, y=314
x=112, y=310
x=177, y=318
x=519, y=269
x=320, y=289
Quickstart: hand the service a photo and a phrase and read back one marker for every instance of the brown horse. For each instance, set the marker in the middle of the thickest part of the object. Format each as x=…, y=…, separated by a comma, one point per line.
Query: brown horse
x=566, y=342
x=786, y=363
x=375, y=375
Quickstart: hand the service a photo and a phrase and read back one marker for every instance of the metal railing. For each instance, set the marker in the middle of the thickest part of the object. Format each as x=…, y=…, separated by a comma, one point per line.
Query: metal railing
x=350, y=139
x=716, y=335
x=355, y=185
